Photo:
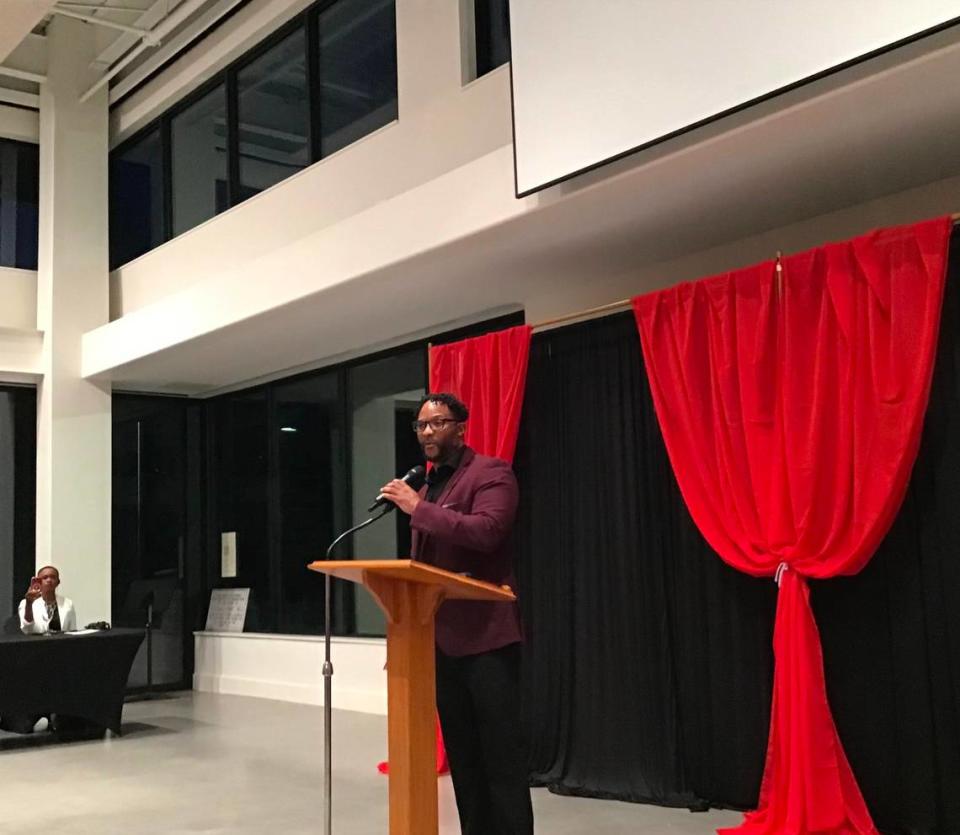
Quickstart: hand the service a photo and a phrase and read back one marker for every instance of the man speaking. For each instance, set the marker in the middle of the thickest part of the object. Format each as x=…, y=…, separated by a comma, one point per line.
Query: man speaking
x=461, y=522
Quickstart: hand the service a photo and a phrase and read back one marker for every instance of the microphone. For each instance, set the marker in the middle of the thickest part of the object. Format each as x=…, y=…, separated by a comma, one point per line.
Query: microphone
x=415, y=478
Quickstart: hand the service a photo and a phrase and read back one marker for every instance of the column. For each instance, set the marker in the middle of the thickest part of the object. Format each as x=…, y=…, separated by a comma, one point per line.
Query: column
x=73, y=414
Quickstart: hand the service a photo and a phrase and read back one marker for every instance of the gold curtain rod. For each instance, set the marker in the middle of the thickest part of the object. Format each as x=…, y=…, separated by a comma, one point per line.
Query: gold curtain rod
x=626, y=303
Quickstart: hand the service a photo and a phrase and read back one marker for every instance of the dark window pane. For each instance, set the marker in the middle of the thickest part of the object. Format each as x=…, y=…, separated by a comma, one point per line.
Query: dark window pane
x=18, y=472
x=357, y=71
x=384, y=395
x=241, y=499
x=149, y=530
x=274, y=115
x=492, y=23
x=199, y=153
x=310, y=479
x=136, y=199
x=19, y=196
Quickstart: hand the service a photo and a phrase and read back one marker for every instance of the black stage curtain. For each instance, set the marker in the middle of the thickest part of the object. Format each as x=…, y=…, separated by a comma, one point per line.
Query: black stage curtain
x=648, y=662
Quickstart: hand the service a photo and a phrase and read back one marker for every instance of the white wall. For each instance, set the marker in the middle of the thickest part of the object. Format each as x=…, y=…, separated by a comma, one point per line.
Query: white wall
x=21, y=355
x=289, y=668
x=18, y=298
x=600, y=286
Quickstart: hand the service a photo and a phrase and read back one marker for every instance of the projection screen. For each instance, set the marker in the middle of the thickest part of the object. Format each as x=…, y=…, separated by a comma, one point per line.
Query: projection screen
x=594, y=81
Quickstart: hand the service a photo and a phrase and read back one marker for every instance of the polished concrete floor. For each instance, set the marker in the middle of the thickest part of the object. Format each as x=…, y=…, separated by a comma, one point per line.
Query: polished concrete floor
x=198, y=763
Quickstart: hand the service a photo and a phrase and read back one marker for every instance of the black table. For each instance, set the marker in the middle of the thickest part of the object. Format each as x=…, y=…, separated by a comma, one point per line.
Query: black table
x=73, y=675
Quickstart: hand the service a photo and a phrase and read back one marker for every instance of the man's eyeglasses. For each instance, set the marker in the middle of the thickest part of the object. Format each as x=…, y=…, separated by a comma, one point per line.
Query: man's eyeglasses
x=436, y=424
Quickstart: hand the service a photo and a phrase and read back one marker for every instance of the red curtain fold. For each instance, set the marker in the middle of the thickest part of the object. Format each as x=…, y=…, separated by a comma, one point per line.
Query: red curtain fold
x=489, y=374
x=791, y=409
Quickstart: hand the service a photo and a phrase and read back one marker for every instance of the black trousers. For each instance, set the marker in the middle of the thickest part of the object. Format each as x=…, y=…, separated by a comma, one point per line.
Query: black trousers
x=19, y=723
x=478, y=699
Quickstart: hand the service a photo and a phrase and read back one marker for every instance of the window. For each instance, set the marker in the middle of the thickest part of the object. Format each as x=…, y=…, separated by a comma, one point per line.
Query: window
x=357, y=56
x=288, y=477
x=19, y=200
x=324, y=81
x=492, y=27
x=240, y=500
x=384, y=395
x=310, y=467
x=295, y=462
x=198, y=139
x=136, y=198
x=273, y=115
x=155, y=555
x=18, y=509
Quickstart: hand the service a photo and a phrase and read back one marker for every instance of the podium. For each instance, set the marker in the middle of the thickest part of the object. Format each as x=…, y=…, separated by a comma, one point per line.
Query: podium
x=409, y=594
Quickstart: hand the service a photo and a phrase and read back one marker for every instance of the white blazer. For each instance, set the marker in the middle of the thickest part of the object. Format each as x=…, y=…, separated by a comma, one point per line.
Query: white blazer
x=41, y=623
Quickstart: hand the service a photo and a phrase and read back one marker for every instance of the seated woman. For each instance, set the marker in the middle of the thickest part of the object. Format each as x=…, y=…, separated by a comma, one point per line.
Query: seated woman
x=41, y=611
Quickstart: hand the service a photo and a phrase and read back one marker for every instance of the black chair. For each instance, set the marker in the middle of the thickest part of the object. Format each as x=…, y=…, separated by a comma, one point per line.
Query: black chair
x=156, y=603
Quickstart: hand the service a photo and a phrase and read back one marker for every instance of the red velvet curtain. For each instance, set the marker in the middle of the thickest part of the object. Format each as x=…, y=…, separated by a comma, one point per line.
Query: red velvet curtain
x=489, y=374
x=792, y=409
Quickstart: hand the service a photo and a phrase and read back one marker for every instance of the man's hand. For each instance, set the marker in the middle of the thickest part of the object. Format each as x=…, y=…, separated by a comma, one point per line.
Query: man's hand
x=401, y=494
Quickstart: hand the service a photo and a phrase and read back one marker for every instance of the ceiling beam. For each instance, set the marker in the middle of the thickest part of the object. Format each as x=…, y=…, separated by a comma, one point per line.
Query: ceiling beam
x=144, y=34
x=165, y=27
x=19, y=98
x=148, y=19
x=24, y=75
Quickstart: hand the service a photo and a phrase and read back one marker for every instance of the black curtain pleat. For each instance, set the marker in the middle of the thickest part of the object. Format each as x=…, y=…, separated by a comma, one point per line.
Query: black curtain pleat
x=648, y=663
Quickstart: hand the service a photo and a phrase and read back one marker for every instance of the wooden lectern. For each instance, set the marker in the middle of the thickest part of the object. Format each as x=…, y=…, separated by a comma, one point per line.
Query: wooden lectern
x=409, y=593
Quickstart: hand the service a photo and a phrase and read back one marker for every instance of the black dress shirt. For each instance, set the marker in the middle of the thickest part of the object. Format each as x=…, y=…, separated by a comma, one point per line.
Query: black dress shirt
x=438, y=477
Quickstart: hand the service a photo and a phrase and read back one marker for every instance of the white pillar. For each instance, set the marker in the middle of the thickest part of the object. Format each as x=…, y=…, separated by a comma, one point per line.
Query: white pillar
x=73, y=415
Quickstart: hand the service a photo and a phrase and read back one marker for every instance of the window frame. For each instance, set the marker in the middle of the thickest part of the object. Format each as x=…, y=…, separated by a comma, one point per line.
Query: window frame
x=308, y=21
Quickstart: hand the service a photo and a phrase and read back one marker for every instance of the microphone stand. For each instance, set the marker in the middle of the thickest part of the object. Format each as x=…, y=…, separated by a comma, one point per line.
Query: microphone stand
x=328, y=679
x=150, y=645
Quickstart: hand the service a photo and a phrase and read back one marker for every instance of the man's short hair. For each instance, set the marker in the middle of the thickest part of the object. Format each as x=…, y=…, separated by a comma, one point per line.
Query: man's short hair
x=53, y=568
x=456, y=407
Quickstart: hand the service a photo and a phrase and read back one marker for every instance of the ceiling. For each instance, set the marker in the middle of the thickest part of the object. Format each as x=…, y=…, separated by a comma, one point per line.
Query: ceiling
x=129, y=33
x=20, y=17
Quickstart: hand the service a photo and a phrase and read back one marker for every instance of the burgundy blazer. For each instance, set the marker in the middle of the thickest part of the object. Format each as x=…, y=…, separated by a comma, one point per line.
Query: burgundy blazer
x=468, y=530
